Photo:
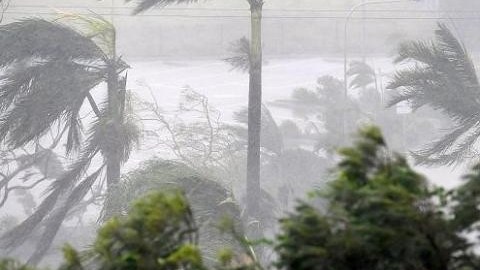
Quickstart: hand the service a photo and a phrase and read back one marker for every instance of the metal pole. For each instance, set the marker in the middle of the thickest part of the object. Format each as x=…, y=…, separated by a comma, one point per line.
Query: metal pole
x=345, y=35
x=345, y=50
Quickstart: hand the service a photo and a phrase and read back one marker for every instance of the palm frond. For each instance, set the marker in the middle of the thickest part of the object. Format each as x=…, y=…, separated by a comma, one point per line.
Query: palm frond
x=17, y=236
x=76, y=170
x=362, y=74
x=60, y=186
x=271, y=134
x=144, y=5
x=211, y=202
x=55, y=220
x=305, y=97
x=414, y=76
x=48, y=92
x=415, y=82
x=41, y=39
x=450, y=149
x=417, y=51
x=111, y=137
x=456, y=53
x=75, y=128
x=443, y=77
x=241, y=55
x=47, y=76
x=447, y=79
x=96, y=28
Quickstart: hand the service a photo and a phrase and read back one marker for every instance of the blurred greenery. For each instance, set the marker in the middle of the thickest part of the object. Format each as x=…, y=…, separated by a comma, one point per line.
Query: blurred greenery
x=377, y=213
x=210, y=201
x=381, y=215
x=158, y=233
x=9, y=264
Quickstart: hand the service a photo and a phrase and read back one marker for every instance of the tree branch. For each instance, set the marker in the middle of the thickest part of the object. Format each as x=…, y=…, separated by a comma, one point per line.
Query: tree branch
x=94, y=105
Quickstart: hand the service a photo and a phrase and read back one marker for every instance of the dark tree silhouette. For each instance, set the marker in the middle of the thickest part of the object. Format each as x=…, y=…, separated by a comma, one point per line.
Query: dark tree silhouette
x=51, y=69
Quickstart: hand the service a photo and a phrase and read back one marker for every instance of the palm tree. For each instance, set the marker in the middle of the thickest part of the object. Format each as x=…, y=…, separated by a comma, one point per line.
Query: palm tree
x=240, y=59
x=255, y=94
x=50, y=70
x=361, y=75
x=441, y=75
x=211, y=201
x=323, y=106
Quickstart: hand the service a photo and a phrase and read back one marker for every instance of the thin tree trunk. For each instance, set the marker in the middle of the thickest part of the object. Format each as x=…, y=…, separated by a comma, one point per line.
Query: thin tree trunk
x=254, y=111
x=112, y=153
x=113, y=178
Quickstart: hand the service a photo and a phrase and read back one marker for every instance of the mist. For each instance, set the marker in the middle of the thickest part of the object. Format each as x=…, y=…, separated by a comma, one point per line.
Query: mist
x=242, y=106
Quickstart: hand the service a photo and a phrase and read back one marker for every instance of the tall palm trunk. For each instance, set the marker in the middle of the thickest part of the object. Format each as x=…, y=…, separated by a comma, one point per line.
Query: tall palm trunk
x=113, y=154
x=254, y=110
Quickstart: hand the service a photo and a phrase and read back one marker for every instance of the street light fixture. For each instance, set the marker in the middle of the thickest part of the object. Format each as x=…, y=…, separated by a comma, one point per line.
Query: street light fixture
x=345, y=41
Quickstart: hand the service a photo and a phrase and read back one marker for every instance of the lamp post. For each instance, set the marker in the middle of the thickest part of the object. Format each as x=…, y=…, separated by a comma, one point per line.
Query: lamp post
x=345, y=50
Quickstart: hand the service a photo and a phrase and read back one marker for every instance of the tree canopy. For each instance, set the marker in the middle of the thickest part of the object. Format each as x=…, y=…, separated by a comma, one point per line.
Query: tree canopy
x=441, y=74
x=380, y=214
x=50, y=70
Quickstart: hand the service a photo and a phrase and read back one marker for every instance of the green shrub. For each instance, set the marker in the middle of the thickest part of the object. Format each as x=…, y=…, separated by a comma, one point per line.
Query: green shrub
x=381, y=215
x=158, y=233
x=9, y=264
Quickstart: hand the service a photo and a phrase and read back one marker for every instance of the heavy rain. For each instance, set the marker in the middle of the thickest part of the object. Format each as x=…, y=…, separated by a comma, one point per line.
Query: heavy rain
x=240, y=134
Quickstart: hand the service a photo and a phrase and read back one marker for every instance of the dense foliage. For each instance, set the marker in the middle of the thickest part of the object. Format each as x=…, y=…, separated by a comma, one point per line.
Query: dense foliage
x=378, y=213
x=441, y=74
x=158, y=233
x=210, y=201
x=381, y=215
x=49, y=72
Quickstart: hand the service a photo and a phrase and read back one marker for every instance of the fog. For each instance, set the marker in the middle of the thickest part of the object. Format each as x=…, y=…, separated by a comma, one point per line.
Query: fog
x=101, y=102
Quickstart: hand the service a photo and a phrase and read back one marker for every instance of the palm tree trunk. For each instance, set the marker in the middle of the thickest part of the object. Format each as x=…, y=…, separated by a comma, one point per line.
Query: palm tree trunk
x=113, y=154
x=113, y=178
x=254, y=111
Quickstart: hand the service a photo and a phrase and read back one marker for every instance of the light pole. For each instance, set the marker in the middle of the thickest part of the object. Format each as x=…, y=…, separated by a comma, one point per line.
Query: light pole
x=345, y=49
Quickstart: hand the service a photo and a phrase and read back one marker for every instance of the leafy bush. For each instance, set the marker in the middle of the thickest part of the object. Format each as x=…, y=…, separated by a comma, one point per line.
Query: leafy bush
x=381, y=215
x=8, y=264
x=159, y=233
x=210, y=201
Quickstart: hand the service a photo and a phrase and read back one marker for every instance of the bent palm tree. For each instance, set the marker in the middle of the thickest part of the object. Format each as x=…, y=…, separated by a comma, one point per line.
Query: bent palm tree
x=361, y=75
x=211, y=202
x=442, y=76
x=255, y=95
x=50, y=71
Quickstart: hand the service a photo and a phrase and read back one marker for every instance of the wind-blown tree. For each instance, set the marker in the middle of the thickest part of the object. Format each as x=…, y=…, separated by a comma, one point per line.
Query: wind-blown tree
x=321, y=109
x=255, y=94
x=217, y=150
x=50, y=71
x=441, y=75
x=361, y=75
x=213, y=148
x=211, y=202
x=381, y=214
x=159, y=233
x=240, y=59
x=318, y=111
x=282, y=167
x=206, y=145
